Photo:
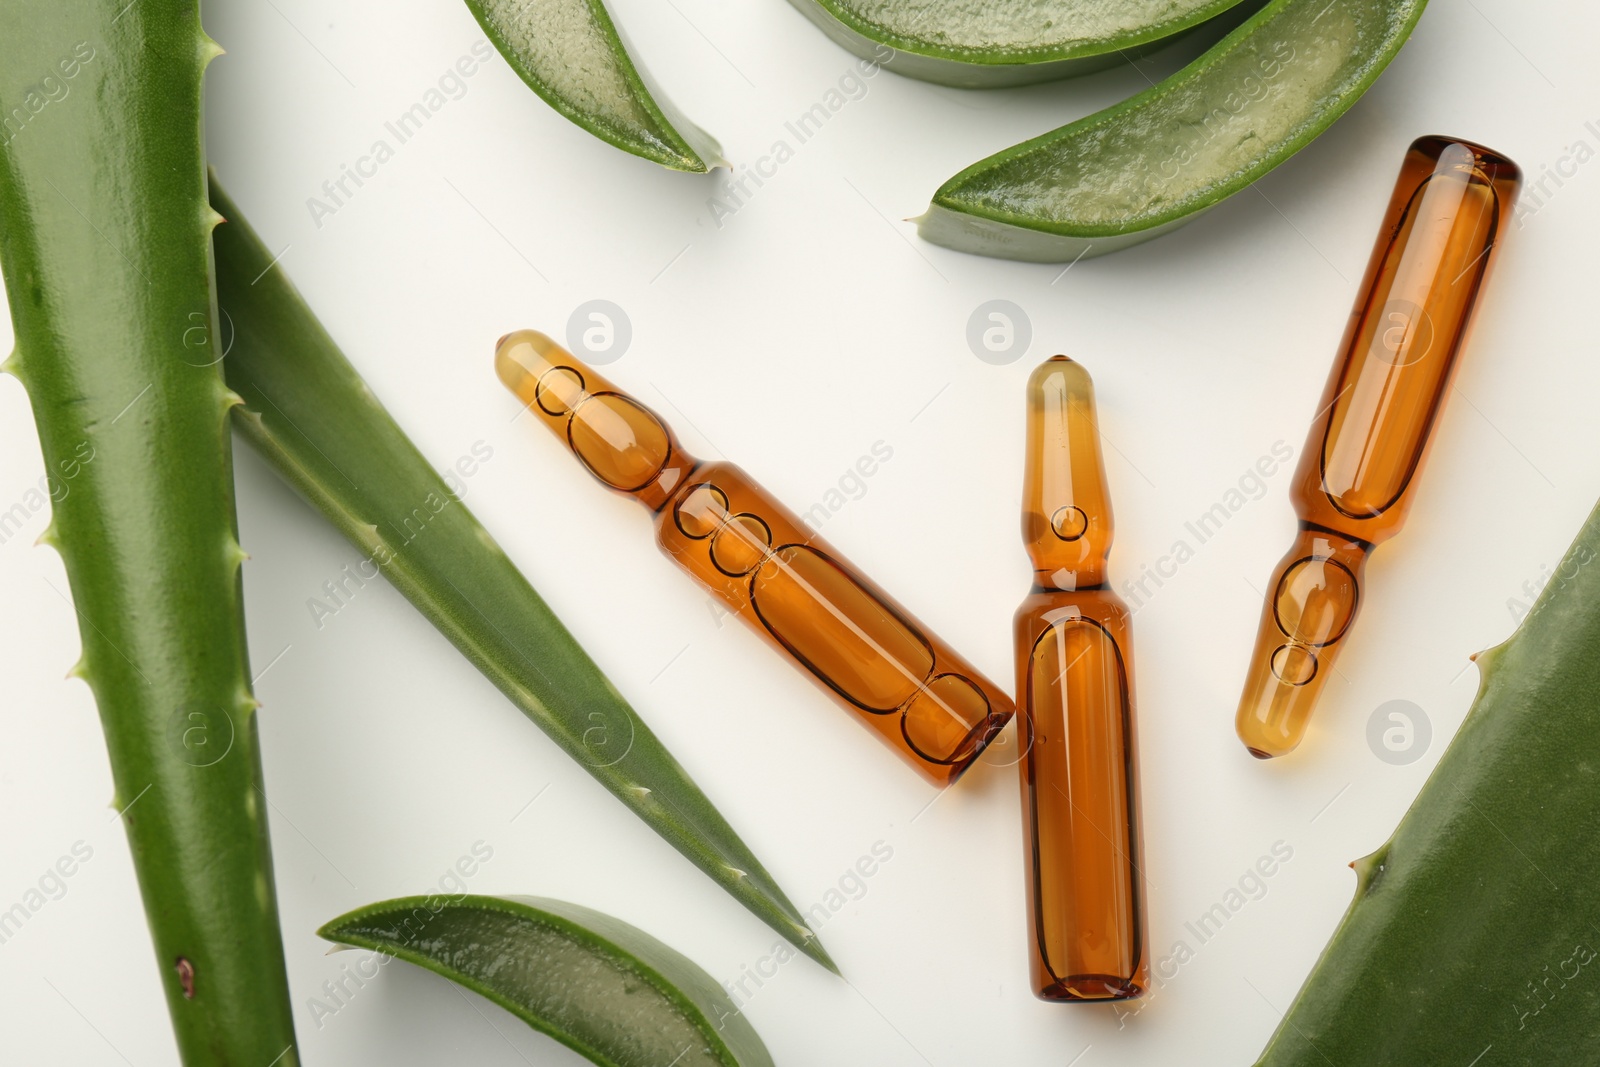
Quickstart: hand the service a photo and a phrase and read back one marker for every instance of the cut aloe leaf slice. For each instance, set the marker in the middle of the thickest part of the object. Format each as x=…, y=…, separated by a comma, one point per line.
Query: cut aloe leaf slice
x=987, y=44
x=1474, y=935
x=573, y=55
x=1156, y=161
x=603, y=988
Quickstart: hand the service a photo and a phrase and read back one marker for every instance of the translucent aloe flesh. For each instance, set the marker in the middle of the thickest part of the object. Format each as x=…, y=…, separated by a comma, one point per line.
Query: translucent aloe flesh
x=313, y=418
x=992, y=43
x=1474, y=933
x=105, y=238
x=603, y=988
x=573, y=54
x=1159, y=159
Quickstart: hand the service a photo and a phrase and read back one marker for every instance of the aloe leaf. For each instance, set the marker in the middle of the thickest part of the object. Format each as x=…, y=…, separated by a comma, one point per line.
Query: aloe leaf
x=1158, y=160
x=603, y=988
x=987, y=44
x=1474, y=932
x=105, y=241
x=313, y=418
x=573, y=54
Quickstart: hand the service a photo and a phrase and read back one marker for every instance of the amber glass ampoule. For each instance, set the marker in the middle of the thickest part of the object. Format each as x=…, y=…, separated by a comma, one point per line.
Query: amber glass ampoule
x=1358, y=473
x=1080, y=782
x=754, y=554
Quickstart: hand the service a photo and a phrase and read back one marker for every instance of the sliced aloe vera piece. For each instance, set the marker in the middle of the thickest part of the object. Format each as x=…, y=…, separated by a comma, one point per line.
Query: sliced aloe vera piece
x=603, y=988
x=574, y=55
x=312, y=417
x=1159, y=159
x=1474, y=936
x=987, y=44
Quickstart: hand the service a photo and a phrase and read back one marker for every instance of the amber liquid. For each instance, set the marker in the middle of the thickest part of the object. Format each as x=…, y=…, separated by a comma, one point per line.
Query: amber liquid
x=754, y=554
x=1080, y=791
x=1357, y=476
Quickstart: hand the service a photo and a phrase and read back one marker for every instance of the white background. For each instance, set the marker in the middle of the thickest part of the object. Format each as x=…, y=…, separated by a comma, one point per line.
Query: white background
x=790, y=339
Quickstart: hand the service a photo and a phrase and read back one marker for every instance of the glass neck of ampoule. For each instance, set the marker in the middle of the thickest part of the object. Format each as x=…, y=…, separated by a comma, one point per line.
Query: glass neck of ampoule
x=620, y=441
x=1066, y=511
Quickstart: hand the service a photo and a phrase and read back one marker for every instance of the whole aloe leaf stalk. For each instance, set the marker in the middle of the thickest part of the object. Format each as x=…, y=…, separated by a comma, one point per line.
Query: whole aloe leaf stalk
x=1474, y=933
x=105, y=242
x=314, y=419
